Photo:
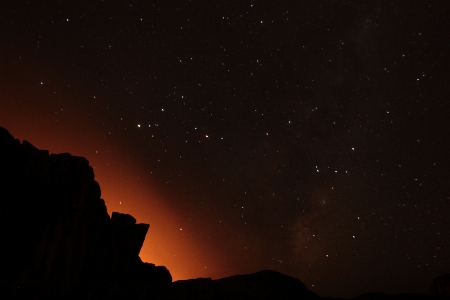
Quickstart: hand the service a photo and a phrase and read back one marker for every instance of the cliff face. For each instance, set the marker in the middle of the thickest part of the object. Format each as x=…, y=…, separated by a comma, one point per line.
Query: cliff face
x=57, y=238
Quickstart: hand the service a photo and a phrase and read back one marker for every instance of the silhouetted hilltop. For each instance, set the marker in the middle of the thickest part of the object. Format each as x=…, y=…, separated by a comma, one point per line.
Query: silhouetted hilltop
x=58, y=242
x=260, y=285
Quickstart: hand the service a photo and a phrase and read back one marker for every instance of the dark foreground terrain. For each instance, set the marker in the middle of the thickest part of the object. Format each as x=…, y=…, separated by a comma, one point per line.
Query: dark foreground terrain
x=58, y=242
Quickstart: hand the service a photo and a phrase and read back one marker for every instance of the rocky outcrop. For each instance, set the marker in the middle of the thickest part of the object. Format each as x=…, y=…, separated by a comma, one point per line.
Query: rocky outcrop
x=58, y=241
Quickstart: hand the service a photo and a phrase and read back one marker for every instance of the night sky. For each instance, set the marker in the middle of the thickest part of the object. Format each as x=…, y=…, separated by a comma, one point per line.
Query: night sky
x=308, y=137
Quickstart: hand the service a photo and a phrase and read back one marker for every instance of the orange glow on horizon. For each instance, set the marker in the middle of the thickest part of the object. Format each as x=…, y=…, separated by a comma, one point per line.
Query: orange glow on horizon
x=126, y=189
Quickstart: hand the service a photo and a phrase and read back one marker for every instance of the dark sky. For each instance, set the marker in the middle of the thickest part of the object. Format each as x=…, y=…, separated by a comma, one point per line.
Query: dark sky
x=308, y=137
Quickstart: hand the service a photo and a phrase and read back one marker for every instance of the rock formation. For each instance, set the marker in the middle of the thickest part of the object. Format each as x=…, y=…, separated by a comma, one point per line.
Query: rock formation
x=58, y=241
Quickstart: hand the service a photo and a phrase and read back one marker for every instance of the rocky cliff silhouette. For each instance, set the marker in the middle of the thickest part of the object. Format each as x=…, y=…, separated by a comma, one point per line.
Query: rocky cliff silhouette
x=58, y=241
